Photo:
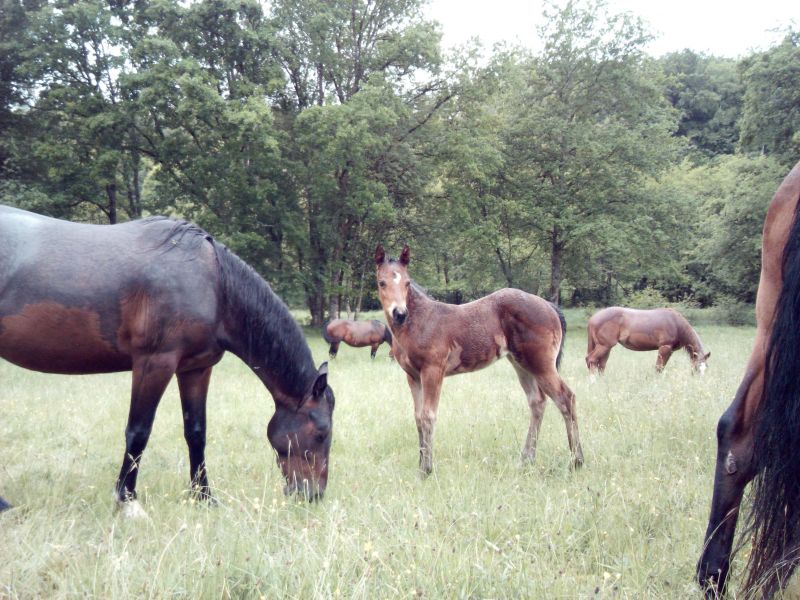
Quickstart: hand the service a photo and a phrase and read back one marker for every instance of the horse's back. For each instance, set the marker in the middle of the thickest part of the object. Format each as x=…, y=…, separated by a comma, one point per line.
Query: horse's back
x=81, y=298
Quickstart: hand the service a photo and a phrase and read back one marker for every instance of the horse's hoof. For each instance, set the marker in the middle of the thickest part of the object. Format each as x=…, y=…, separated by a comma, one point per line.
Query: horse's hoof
x=131, y=509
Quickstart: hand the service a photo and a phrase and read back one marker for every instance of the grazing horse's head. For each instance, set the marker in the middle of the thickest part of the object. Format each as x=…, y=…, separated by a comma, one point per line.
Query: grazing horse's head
x=393, y=284
x=699, y=358
x=301, y=437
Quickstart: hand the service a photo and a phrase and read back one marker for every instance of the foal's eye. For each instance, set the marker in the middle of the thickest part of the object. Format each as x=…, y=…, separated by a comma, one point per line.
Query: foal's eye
x=382, y=284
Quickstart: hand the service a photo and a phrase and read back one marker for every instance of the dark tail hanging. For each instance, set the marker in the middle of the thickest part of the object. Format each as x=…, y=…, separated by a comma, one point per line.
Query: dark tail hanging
x=563, y=321
x=774, y=518
x=4, y=505
x=325, y=335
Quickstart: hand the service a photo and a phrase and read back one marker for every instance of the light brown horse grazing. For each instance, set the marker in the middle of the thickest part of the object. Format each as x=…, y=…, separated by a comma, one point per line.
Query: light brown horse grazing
x=758, y=436
x=357, y=334
x=662, y=329
x=432, y=340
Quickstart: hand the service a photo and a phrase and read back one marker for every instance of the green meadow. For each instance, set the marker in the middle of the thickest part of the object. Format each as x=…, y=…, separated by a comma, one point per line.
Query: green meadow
x=630, y=524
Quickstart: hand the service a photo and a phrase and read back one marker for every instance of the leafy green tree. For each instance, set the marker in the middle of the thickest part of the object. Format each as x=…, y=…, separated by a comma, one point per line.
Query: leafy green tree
x=352, y=162
x=591, y=124
x=771, y=116
x=708, y=93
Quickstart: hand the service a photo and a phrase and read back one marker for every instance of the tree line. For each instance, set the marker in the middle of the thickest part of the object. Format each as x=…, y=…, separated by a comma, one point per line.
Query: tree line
x=302, y=133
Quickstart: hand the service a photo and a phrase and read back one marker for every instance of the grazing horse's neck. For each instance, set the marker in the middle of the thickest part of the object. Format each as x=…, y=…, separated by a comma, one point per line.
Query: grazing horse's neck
x=689, y=338
x=260, y=330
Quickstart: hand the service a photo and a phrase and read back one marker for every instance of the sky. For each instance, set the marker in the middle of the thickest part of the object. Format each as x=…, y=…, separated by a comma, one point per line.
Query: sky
x=728, y=28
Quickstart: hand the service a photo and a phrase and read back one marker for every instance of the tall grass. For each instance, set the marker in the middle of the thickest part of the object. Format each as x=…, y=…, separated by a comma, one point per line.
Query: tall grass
x=484, y=525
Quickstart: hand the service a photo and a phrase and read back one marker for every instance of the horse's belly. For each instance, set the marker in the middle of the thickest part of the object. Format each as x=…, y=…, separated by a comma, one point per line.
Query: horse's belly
x=51, y=338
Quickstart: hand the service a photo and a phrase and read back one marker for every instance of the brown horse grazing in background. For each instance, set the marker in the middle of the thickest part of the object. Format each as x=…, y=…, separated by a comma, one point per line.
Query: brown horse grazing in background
x=432, y=340
x=661, y=329
x=357, y=334
x=160, y=298
x=758, y=436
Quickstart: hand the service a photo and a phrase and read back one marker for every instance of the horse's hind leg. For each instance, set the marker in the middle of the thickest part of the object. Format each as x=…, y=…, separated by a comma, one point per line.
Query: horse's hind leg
x=374, y=350
x=733, y=472
x=536, y=402
x=552, y=385
x=193, y=387
x=333, y=349
x=151, y=374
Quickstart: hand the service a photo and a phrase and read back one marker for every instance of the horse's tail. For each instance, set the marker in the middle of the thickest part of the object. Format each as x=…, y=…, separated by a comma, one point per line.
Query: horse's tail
x=563, y=320
x=774, y=518
x=325, y=335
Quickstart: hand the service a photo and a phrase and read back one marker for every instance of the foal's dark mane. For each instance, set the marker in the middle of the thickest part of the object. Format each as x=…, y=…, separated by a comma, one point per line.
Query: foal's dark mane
x=270, y=335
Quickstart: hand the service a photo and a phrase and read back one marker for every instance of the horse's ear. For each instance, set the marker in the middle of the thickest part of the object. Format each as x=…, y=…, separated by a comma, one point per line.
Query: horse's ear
x=380, y=255
x=405, y=256
x=321, y=382
x=707, y=355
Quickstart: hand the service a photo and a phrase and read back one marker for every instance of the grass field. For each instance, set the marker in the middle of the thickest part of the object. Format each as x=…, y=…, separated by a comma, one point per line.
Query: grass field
x=630, y=524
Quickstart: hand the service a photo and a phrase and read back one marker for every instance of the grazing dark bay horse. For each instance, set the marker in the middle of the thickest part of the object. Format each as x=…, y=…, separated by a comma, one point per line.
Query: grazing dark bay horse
x=758, y=436
x=160, y=298
x=357, y=334
x=432, y=340
x=662, y=329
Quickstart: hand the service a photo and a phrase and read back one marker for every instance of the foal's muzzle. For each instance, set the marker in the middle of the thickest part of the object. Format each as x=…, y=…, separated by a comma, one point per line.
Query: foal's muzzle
x=399, y=316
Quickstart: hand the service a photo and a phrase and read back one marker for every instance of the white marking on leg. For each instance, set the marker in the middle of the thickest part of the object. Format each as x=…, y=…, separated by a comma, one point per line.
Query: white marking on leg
x=132, y=510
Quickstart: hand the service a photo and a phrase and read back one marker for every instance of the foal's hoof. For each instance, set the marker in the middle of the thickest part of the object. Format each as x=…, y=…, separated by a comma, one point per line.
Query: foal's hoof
x=131, y=509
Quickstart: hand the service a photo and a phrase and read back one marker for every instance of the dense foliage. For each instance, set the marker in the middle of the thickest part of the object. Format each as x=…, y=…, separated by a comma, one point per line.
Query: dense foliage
x=304, y=133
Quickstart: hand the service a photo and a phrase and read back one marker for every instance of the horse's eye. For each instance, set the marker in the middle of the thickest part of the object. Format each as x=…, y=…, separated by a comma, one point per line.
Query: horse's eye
x=382, y=284
x=408, y=283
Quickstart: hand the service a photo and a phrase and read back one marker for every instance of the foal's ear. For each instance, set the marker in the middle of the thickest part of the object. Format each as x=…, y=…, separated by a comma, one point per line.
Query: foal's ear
x=380, y=255
x=707, y=355
x=405, y=255
x=321, y=382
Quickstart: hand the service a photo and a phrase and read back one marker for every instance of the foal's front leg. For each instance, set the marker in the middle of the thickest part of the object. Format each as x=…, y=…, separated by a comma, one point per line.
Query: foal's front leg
x=193, y=386
x=151, y=374
x=425, y=391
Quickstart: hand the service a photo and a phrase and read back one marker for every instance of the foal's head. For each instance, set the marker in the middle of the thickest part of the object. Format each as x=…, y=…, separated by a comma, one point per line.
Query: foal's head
x=393, y=284
x=301, y=438
x=699, y=359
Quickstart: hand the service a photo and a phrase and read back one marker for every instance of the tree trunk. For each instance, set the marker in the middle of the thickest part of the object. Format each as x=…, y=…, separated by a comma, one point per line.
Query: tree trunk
x=111, y=192
x=506, y=267
x=557, y=250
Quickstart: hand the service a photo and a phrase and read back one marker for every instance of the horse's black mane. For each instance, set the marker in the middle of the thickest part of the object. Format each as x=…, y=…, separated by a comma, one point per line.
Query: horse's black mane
x=271, y=335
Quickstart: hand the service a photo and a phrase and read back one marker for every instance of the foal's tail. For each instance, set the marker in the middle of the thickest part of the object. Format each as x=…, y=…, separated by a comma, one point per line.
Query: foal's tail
x=774, y=518
x=325, y=335
x=387, y=333
x=563, y=320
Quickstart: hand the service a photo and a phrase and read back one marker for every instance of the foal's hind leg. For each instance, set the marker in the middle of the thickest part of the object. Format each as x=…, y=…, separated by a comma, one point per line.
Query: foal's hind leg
x=193, y=386
x=333, y=349
x=536, y=402
x=554, y=386
x=151, y=374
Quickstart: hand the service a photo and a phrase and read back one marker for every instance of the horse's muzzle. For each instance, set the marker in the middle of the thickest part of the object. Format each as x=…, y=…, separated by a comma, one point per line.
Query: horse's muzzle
x=399, y=317
x=305, y=489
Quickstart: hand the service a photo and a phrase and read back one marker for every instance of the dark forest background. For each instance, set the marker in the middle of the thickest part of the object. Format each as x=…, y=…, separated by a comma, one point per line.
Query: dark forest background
x=301, y=134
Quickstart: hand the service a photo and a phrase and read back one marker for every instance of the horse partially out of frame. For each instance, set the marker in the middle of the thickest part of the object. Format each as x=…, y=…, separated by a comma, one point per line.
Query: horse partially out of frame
x=357, y=334
x=758, y=436
x=160, y=298
x=432, y=340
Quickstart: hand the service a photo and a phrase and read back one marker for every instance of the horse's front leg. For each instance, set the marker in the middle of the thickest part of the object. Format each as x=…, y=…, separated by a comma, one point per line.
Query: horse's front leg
x=374, y=350
x=193, y=386
x=664, y=352
x=151, y=374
